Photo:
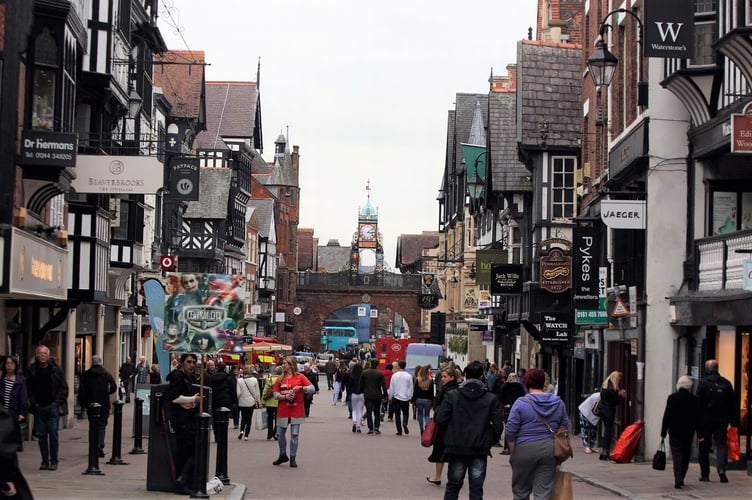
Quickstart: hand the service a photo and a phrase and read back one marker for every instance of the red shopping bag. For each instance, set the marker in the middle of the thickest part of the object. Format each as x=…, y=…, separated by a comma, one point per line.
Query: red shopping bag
x=732, y=444
x=626, y=446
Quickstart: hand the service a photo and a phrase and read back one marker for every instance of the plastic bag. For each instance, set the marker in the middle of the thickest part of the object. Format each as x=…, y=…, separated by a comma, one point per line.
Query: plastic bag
x=214, y=486
x=627, y=444
x=732, y=444
x=261, y=419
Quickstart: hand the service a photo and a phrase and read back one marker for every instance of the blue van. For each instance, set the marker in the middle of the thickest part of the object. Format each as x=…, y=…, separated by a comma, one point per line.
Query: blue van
x=418, y=354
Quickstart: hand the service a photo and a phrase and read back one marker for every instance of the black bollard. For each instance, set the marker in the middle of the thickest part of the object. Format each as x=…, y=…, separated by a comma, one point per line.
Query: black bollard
x=94, y=411
x=117, y=434
x=138, y=427
x=221, y=465
x=201, y=465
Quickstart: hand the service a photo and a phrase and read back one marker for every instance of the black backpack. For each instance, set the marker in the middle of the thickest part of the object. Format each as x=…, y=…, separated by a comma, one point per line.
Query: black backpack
x=720, y=395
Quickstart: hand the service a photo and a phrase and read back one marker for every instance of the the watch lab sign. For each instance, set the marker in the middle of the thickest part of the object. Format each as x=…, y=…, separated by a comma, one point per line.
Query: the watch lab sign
x=556, y=327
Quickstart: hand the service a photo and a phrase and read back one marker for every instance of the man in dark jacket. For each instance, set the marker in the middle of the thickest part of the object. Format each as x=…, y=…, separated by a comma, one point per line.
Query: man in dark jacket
x=375, y=392
x=719, y=407
x=127, y=372
x=473, y=420
x=185, y=399
x=222, y=395
x=96, y=386
x=48, y=400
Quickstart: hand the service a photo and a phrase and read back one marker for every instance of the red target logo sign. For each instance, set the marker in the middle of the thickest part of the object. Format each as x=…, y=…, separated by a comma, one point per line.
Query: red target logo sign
x=167, y=262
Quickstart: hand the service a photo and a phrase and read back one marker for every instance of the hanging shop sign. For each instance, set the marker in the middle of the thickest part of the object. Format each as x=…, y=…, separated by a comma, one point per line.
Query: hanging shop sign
x=556, y=271
x=38, y=268
x=54, y=149
x=556, y=328
x=741, y=131
x=669, y=29
x=184, y=179
x=485, y=260
x=118, y=174
x=506, y=278
x=586, y=252
x=623, y=214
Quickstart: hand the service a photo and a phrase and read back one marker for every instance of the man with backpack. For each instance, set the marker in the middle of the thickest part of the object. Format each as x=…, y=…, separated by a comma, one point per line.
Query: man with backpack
x=720, y=408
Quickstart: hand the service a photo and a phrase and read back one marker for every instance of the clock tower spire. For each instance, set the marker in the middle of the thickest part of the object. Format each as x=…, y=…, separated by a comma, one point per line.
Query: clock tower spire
x=367, y=256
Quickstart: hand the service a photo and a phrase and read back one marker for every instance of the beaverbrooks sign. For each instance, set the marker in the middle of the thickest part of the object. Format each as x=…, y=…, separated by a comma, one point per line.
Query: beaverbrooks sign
x=669, y=29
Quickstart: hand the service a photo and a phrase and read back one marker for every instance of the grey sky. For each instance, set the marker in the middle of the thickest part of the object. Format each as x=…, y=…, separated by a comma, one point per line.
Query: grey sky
x=364, y=88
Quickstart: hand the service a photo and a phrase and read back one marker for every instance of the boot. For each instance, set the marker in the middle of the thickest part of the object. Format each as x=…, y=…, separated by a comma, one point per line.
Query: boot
x=282, y=459
x=293, y=463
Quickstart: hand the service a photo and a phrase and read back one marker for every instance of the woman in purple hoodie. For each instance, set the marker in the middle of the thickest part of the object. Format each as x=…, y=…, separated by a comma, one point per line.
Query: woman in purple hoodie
x=530, y=442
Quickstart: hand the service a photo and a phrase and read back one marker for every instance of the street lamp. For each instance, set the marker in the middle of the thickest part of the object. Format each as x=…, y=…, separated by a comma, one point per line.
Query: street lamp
x=602, y=64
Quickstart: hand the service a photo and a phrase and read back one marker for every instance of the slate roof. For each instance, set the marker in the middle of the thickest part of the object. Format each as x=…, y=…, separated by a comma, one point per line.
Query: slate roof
x=508, y=173
x=264, y=209
x=465, y=105
x=214, y=191
x=410, y=246
x=182, y=84
x=230, y=113
x=549, y=84
x=333, y=257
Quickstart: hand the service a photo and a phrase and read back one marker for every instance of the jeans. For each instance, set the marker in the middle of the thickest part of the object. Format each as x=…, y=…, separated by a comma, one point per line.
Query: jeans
x=709, y=433
x=282, y=436
x=337, y=392
x=424, y=412
x=401, y=413
x=373, y=417
x=330, y=381
x=476, y=469
x=47, y=420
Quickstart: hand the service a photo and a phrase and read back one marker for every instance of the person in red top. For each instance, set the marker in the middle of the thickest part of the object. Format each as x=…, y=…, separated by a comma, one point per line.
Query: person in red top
x=289, y=390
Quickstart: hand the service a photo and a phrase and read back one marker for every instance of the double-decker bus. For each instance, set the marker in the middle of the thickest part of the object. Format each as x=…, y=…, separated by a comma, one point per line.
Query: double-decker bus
x=334, y=338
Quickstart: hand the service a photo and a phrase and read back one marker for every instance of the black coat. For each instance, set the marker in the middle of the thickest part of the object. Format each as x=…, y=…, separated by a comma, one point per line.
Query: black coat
x=681, y=416
x=721, y=415
x=18, y=404
x=59, y=389
x=96, y=386
x=221, y=387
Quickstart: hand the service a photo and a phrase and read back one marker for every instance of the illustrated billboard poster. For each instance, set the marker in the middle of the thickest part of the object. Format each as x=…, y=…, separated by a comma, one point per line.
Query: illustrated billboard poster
x=203, y=312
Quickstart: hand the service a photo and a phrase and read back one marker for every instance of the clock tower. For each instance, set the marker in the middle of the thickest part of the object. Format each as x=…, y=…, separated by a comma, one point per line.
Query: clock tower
x=367, y=255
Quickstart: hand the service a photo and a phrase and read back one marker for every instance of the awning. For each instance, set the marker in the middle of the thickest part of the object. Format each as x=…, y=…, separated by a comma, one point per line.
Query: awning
x=266, y=347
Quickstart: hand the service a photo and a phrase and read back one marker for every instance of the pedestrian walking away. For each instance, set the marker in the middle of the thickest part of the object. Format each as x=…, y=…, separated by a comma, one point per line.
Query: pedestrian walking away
x=96, y=386
x=611, y=395
x=423, y=395
x=680, y=420
x=126, y=373
x=289, y=390
x=48, y=401
x=530, y=444
x=473, y=421
x=249, y=398
x=400, y=394
x=375, y=392
x=719, y=408
x=15, y=397
x=312, y=377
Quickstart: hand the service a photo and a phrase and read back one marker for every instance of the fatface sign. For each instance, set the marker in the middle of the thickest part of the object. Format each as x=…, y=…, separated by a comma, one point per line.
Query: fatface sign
x=556, y=328
x=556, y=271
x=623, y=214
x=184, y=179
x=118, y=174
x=669, y=29
x=48, y=148
x=38, y=268
x=586, y=249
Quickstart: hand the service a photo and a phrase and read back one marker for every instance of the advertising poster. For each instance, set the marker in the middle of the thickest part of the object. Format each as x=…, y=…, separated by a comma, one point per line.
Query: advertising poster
x=203, y=312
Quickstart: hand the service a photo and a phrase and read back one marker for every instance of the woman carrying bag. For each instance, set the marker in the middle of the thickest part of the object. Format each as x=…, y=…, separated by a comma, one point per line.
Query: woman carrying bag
x=680, y=420
x=249, y=398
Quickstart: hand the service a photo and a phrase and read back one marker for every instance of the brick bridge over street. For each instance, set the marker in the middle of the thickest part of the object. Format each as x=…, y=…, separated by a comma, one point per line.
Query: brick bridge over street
x=321, y=294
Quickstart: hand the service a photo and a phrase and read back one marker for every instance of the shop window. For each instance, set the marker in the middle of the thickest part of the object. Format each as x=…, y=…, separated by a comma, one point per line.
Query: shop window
x=563, y=188
x=730, y=211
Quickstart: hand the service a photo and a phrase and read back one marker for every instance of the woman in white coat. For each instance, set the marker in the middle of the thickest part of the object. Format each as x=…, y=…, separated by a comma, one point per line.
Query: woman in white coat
x=249, y=397
x=589, y=422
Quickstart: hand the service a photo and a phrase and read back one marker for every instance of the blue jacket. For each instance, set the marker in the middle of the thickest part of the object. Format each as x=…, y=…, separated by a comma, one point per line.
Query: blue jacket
x=524, y=424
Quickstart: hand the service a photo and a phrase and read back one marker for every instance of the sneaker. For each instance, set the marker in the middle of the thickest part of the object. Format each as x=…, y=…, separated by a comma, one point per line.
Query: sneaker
x=369, y=432
x=240, y=436
x=358, y=431
x=376, y=431
x=354, y=428
x=398, y=434
x=245, y=438
x=53, y=466
x=704, y=479
x=44, y=466
x=407, y=431
x=723, y=477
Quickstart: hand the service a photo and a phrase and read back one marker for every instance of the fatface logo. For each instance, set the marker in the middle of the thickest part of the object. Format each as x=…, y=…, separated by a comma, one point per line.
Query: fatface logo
x=185, y=187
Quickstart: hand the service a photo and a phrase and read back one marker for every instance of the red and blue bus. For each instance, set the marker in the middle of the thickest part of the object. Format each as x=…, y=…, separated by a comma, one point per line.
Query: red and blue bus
x=334, y=338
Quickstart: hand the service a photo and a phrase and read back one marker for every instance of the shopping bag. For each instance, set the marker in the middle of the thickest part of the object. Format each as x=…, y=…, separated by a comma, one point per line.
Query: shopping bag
x=563, y=486
x=429, y=434
x=627, y=444
x=261, y=419
x=732, y=444
x=659, y=459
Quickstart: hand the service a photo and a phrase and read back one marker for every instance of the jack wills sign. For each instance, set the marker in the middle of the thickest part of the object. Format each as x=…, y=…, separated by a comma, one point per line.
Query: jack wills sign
x=586, y=250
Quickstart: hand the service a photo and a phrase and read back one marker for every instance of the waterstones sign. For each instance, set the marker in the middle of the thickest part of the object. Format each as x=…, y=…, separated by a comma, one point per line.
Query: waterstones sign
x=669, y=29
x=54, y=149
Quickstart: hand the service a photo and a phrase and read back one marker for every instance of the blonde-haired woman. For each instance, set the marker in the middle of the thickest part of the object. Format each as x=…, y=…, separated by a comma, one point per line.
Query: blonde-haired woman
x=423, y=394
x=611, y=395
x=289, y=390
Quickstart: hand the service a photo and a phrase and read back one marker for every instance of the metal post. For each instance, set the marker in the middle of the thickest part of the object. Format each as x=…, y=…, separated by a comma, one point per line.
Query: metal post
x=138, y=412
x=117, y=434
x=94, y=411
x=201, y=465
x=221, y=462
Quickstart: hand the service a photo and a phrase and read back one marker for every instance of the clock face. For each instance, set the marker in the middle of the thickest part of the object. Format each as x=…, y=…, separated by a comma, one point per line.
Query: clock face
x=367, y=232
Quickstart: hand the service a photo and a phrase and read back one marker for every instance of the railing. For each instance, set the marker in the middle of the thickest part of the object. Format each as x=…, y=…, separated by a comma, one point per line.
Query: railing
x=721, y=261
x=342, y=280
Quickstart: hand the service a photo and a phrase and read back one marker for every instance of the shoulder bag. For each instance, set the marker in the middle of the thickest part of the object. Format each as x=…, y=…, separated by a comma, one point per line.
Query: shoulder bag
x=429, y=434
x=562, y=446
x=659, y=459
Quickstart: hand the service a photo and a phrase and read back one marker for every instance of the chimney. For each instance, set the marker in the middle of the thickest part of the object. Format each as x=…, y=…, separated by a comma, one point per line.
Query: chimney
x=512, y=75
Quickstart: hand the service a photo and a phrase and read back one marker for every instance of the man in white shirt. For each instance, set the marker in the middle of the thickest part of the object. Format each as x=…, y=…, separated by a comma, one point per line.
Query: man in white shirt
x=400, y=394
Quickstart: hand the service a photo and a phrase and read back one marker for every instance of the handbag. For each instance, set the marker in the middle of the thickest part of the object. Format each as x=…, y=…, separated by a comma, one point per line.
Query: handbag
x=563, y=489
x=429, y=434
x=562, y=446
x=261, y=419
x=732, y=444
x=659, y=459
x=596, y=408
